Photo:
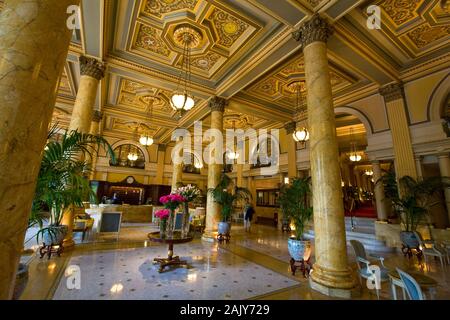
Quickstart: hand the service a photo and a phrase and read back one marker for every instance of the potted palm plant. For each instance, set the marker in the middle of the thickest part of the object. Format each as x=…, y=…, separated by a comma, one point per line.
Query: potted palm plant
x=294, y=201
x=412, y=199
x=62, y=180
x=227, y=195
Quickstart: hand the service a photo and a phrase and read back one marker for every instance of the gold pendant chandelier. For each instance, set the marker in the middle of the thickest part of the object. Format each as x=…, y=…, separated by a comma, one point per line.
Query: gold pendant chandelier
x=302, y=134
x=186, y=37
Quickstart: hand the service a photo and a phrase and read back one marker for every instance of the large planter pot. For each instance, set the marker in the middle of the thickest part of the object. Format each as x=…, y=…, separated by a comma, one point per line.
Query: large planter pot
x=56, y=236
x=299, y=249
x=409, y=239
x=21, y=281
x=224, y=227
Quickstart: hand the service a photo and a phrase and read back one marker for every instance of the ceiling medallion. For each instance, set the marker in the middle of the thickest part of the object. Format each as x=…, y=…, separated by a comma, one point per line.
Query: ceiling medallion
x=186, y=33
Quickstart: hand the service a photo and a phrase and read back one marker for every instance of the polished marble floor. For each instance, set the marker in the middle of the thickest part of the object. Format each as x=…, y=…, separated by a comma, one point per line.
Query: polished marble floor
x=252, y=266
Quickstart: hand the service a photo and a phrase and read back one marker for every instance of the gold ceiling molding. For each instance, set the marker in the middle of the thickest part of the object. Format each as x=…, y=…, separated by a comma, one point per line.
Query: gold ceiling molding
x=228, y=27
x=238, y=120
x=127, y=65
x=277, y=87
x=425, y=35
x=400, y=11
x=416, y=27
x=159, y=98
x=220, y=33
x=149, y=38
x=159, y=8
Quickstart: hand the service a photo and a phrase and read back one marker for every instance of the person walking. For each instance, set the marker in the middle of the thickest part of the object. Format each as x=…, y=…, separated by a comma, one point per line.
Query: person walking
x=248, y=216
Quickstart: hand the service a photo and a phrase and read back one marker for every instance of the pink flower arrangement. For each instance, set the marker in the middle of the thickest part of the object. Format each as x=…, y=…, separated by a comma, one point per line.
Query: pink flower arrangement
x=172, y=201
x=173, y=197
x=162, y=214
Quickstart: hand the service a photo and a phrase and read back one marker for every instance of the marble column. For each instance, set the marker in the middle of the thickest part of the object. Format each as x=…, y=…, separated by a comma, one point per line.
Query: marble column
x=292, y=150
x=401, y=138
x=34, y=42
x=380, y=200
x=160, y=164
x=92, y=71
x=95, y=130
x=419, y=167
x=177, y=175
x=239, y=175
x=217, y=106
x=332, y=274
x=444, y=167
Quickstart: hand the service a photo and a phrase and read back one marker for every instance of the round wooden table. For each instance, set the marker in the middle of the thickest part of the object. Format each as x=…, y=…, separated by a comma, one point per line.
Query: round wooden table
x=170, y=260
x=426, y=283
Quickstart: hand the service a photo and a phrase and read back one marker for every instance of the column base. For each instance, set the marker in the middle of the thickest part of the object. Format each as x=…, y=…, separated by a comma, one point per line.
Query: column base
x=334, y=283
x=335, y=292
x=209, y=236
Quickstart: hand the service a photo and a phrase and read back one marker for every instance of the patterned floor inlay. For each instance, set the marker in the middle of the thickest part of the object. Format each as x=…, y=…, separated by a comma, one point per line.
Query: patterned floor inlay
x=131, y=274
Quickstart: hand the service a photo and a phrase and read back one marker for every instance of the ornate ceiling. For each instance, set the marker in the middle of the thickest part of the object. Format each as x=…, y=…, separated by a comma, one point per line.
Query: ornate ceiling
x=221, y=32
x=245, y=54
x=280, y=86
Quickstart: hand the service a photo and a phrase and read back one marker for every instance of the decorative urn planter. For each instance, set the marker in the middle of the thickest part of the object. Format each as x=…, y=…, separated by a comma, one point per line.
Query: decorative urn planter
x=224, y=227
x=299, y=249
x=409, y=239
x=55, y=237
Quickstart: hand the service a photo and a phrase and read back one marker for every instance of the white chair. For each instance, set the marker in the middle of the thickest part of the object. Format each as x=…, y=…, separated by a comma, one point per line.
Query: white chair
x=411, y=286
x=364, y=271
x=431, y=249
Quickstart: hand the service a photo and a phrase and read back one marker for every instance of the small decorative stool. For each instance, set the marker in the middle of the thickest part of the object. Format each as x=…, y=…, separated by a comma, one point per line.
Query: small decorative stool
x=221, y=237
x=304, y=266
x=48, y=249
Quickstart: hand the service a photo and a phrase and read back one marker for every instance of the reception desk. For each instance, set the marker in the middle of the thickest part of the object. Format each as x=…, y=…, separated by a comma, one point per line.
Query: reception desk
x=130, y=213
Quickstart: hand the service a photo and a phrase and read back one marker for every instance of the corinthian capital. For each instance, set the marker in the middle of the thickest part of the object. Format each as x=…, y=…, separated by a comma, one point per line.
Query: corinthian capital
x=393, y=91
x=92, y=67
x=290, y=127
x=217, y=104
x=315, y=29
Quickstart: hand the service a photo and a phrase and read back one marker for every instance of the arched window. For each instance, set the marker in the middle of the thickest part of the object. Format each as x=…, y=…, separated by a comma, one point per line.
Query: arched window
x=123, y=160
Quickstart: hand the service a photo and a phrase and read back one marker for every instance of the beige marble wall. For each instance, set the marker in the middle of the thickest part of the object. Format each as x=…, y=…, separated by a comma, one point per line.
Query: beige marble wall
x=331, y=269
x=34, y=43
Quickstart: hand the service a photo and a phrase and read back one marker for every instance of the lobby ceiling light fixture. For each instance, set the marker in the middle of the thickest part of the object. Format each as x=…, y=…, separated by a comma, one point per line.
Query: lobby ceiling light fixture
x=300, y=135
x=368, y=173
x=354, y=156
x=233, y=155
x=186, y=37
x=132, y=154
x=145, y=94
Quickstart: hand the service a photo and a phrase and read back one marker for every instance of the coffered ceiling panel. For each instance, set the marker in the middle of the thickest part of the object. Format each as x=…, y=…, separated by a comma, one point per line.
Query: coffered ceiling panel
x=278, y=87
x=415, y=27
x=219, y=31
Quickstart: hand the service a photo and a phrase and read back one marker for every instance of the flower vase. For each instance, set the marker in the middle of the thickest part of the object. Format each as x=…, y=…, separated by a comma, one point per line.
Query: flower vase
x=170, y=224
x=185, y=225
x=163, y=228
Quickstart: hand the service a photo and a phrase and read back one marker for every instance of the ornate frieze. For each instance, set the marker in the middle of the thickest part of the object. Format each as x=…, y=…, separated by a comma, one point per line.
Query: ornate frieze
x=392, y=92
x=217, y=104
x=315, y=29
x=400, y=11
x=92, y=67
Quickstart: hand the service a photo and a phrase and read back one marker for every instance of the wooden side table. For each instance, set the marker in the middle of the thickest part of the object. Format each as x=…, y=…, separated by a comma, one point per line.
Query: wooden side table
x=170, y=260
x=425, y=283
